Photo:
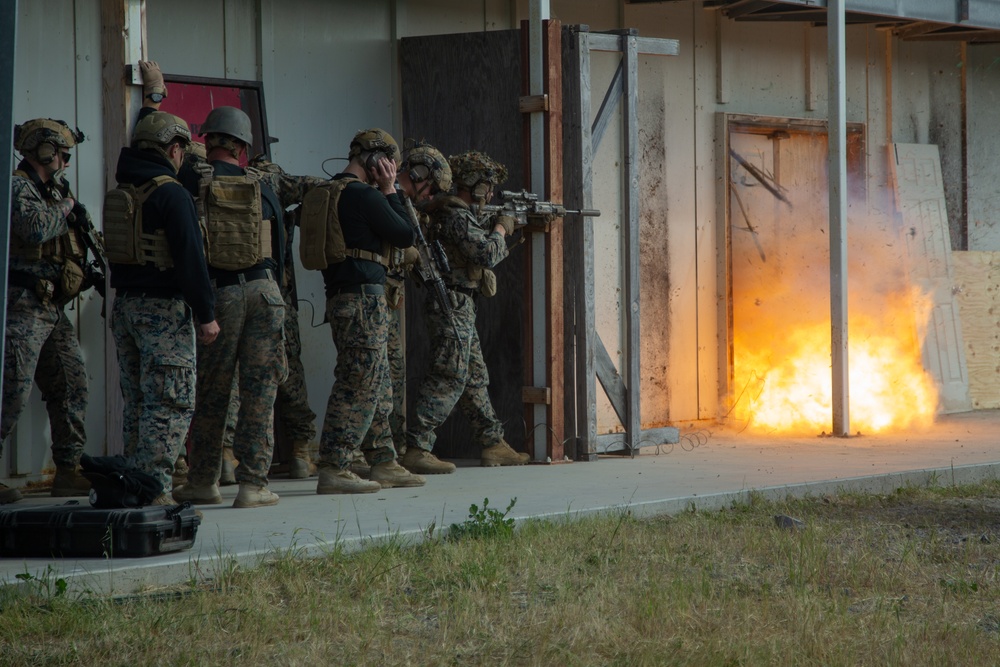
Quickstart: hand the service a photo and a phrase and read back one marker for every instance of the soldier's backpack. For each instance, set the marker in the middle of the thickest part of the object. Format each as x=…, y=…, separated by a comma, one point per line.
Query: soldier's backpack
x=322, y=242
x=124, y=240
x=236, y=236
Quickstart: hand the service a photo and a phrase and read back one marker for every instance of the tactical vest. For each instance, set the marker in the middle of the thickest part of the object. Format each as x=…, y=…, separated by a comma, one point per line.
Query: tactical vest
x=56, y=250
x=322, y=242
x=456, y=258
x=236, y=236
x=124, y=240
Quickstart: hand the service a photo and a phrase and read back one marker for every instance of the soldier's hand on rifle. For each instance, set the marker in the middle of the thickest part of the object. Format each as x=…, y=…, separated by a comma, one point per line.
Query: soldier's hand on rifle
x=207, y=333
x=505, y=223
x=411, y=257
x=152, y=79
x=66, y=207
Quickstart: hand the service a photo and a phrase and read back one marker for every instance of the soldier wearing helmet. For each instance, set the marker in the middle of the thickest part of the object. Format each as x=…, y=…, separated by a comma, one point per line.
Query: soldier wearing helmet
x=423, y=174
x=164, y=299
x=245, y=250
x=458, y=372
x=373, y=219
x=45, y=271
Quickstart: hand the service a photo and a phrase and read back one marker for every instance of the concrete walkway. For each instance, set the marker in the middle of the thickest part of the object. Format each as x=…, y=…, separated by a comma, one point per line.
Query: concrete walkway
x=710, y=468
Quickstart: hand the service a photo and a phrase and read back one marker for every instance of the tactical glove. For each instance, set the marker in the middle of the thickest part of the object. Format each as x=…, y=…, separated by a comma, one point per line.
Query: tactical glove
x=411, y=257
x=507, y=222
x=152, y=78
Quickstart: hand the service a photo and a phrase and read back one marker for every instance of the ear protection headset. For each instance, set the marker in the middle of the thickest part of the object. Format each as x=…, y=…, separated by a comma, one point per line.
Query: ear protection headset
x=373, y=159
x=45, y=153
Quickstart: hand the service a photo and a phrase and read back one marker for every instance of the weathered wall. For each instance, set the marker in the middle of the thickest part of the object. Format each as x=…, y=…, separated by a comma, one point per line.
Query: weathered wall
x=983, y=120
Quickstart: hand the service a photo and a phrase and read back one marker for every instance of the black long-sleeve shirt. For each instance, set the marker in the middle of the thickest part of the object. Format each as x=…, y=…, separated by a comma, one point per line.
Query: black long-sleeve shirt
x=170, y=208
x=368, y=218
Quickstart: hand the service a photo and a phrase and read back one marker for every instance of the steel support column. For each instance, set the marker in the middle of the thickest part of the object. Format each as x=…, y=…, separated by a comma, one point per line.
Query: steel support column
x=837, y=137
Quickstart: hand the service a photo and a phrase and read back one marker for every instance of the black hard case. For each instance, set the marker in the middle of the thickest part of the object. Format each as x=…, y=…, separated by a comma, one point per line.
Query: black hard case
x=80, y=530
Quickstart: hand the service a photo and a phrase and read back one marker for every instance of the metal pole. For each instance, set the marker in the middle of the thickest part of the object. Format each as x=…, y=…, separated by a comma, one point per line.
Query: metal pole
x=538, y=12
x=837, y=136
x=8, y=32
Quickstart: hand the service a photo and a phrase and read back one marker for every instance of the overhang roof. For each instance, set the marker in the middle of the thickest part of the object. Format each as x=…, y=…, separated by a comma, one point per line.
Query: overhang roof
x=941, y=20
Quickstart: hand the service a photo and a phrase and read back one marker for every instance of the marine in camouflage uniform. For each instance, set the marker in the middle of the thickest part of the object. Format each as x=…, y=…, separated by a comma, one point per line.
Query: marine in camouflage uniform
x=291, y=406
x=251, y=312
x=158, y=301
x=458, y=373
x=45, y=271
x=372, y=219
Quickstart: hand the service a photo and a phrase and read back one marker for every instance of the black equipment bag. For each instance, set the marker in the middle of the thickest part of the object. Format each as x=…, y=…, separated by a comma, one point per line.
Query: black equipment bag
x=71, y=529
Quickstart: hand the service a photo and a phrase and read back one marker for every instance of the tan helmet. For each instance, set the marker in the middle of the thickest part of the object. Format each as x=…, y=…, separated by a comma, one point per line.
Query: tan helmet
x=228, y=120
x=160, y=129
x=473, y=169
x=41, y=137
x=374, y=140
x=424, y=162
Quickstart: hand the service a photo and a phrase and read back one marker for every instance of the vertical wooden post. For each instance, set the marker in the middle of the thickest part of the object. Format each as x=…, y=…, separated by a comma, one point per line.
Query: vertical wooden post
x=123, y=27
x=544, y=295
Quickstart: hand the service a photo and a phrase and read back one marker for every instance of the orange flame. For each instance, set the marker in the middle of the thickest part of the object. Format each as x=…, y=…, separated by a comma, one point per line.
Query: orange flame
x=788, y=390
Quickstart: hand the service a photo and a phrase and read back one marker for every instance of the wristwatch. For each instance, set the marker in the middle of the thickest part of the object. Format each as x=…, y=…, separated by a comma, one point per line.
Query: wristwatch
x=156, y=98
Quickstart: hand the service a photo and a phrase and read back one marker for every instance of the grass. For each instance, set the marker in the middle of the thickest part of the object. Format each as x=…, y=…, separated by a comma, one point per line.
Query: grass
x=909, y=578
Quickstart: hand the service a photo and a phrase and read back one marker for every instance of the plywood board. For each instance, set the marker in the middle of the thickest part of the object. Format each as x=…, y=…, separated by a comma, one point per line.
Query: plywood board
x=920, y=200
x=976, y=280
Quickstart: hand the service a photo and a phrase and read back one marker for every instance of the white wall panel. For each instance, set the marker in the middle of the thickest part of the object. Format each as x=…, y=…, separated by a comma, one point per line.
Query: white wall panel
x=984, y=176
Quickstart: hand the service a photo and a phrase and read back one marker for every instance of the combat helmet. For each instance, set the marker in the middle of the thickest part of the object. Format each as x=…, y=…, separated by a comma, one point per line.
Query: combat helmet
x=371, y=141
x=476, y=172
x=424, y=162
x=228, y=120
x=42, y=137
x=160, y=129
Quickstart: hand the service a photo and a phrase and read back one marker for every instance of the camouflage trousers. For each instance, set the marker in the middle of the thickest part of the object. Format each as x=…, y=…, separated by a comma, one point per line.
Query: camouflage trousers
x=291, y=406
x=357, y=414
x=156, y=354
x=397, y=375
x=41, y=344
x=250, y=350
x=457, y=375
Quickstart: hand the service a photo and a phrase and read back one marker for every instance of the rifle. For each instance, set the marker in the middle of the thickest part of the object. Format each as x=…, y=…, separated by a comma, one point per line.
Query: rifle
x=96, y=269
x=433, y=262
x=527, y=209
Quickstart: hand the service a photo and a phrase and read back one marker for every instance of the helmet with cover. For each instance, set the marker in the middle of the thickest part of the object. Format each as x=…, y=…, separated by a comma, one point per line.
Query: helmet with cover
x=476, y=172
x=366, y=144
x=41, y=138
x=160, y=129
x=426, y=163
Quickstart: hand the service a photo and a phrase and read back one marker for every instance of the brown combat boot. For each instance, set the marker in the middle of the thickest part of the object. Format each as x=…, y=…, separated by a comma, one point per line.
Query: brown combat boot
x=501, y=454
x=251, y=495
x=229, y=463
x=9, y=495
x=69, y=482
x=334, y=480
x=163, y=499
x=301, y=465
x=390, y=474
x=422, y=462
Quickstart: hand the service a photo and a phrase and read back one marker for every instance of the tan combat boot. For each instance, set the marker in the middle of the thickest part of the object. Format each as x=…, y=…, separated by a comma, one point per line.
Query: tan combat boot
x=390, y=474
x=251, y=495
x=359, y=466
x=199, y=494
x=301, y=465
x=334, y=480
x=229, y=463
x=9, y=495
x=181, y=470
x=163, y=499
x=422, y=462
x=69, y=482
x=501, y=454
